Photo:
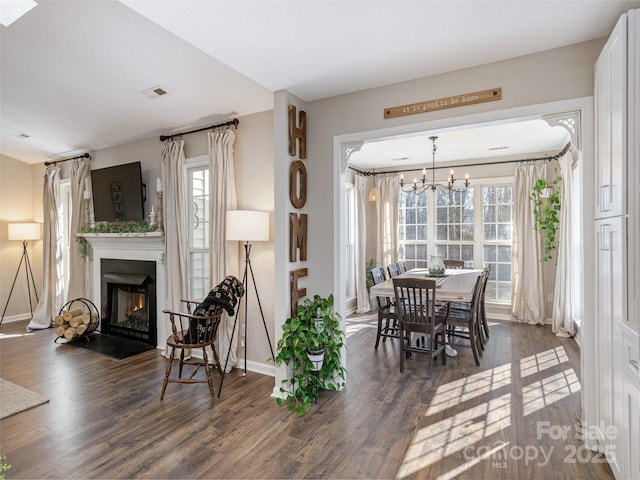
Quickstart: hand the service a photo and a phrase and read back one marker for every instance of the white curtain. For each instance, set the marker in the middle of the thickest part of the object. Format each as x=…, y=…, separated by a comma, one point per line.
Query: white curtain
x=387, y=212
x=527, y=296
x=175, y=225
x=78, y=265
x=224, y=255
x=363, y=305
x=562, y=320
x=52, y=290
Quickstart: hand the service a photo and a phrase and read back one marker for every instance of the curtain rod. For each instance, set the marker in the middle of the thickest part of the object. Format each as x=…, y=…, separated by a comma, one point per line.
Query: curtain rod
x=233, y=122
x=388, y=172
x=86, y=155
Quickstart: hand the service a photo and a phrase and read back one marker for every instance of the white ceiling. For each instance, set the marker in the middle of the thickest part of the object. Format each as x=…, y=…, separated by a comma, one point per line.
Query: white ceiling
x=72, y=72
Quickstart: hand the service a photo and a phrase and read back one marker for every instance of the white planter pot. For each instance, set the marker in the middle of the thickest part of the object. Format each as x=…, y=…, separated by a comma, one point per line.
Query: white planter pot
x=316, y=358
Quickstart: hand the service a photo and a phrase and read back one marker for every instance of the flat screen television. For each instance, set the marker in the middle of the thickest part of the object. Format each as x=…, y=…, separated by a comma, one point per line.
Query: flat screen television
x=118, y=193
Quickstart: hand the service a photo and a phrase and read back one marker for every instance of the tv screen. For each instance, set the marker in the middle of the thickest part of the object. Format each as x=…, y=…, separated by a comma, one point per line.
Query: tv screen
x=117, y=193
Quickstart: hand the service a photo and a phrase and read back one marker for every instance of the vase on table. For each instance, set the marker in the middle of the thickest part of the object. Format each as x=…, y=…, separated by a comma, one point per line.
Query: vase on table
x=436, y=265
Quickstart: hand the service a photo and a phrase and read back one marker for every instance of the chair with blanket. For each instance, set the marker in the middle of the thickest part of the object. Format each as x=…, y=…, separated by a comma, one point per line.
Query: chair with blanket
x=198, y=330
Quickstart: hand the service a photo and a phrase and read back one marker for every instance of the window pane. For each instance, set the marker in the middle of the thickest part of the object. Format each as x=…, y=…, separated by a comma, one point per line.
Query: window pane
x=504, y=231
x=504, y=253
x=467, y=252
x=489, y=232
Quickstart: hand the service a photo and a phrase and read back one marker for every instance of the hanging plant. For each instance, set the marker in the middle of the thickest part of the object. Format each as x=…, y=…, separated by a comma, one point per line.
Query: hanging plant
x=546, y=211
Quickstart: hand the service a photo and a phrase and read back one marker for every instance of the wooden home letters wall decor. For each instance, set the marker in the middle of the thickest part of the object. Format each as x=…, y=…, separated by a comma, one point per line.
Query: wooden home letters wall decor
x=296, y=293
x=297, y=236
x=298, y=184
x=297, y=133
x=298, y=199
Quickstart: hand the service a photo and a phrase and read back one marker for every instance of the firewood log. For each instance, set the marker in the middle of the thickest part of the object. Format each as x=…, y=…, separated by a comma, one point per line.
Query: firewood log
x=59, y=320
x=81, y=329
x=69, y=314
x=61, y=328
x=70, y=333
x=77, y=320
x=90, y=319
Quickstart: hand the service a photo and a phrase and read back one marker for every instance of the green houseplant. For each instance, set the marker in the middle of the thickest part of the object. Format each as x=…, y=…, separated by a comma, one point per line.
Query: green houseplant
x=315, y=328
x=546, y=210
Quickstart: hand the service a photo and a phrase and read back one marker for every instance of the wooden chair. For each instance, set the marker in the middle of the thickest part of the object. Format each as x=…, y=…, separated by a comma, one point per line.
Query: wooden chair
x=483, y=311
x=403, y=266
x=191, y=332
x=393, y=269
x=387, y=323
x=416, y=313
x=464, y=320
x=482, y=314
x=454, y=264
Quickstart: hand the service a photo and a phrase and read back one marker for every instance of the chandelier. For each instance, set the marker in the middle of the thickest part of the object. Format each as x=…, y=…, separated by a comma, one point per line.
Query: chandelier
x=423, y=186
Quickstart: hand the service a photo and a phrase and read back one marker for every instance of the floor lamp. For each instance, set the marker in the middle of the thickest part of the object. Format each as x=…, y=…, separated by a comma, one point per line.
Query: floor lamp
x=23, y=232
x=247, y=226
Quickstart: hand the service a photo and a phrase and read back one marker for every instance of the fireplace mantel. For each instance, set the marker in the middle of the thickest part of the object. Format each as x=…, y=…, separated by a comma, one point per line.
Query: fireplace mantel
x=129, y=246
x=138, y=241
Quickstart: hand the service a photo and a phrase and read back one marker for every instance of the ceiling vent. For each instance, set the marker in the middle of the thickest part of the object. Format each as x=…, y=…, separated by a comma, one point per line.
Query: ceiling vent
x=498, y=148
x=21, y=135
x=399, y=159
x=154, y=92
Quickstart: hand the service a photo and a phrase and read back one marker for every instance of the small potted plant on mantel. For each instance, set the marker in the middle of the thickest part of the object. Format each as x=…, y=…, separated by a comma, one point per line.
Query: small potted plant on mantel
x=311, y=343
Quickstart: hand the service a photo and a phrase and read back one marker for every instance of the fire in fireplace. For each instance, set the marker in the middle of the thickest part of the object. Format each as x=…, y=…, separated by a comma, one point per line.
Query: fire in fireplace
x=129, y=299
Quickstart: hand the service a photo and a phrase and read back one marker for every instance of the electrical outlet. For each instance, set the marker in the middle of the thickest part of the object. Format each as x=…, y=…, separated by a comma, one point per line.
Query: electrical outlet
x=550, y=297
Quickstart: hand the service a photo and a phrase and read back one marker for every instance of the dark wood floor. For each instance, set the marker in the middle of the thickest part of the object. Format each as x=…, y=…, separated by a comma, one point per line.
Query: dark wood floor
x=105, y=419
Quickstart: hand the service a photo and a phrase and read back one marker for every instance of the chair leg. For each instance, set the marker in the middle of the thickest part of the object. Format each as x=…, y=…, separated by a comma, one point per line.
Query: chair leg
x=181, y=363
x=207, y=370
x=379, y=328
x=402, y=348
x=485, y=325
x=165, y=382
x=472, y=339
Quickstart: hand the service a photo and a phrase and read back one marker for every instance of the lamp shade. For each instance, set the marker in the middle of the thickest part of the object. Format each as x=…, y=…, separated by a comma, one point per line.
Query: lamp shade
x=24, y=231
x=247, y=226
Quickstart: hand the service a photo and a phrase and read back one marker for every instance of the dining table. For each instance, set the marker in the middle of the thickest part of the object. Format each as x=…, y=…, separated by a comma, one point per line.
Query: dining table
x=455, y=285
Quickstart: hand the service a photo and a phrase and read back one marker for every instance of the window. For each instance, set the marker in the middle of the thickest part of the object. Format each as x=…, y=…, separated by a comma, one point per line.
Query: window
x=412, y=229
x=497, y=219
x=474, y=226
x=455, y=225
x=198, y=205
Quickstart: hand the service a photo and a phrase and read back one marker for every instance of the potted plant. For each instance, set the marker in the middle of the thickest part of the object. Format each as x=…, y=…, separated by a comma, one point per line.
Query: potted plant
x=546, y=210
x=311, y=343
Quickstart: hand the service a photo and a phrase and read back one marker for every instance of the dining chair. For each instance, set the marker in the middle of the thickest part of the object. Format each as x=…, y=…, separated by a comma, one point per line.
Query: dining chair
x=483, y=311
x=393, y=269
x=482, y=314
x=463, y=320
x=456, y=264
x=403, y=266
x=387, y=323
x=416, y=313
x=192, y=332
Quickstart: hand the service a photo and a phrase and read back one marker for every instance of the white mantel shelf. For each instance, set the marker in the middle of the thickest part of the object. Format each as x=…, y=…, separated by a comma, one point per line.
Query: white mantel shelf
x=130, y=246
x=122, y=241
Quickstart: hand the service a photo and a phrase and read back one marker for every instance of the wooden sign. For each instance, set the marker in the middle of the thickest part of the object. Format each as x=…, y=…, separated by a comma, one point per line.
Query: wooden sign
x=446, y=102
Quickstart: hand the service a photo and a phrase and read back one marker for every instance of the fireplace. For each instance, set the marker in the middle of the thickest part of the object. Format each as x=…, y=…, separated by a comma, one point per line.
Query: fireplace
x=128, y=302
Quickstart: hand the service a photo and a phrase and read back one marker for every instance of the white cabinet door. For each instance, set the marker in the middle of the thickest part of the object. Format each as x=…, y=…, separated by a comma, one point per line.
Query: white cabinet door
x=611, y=284
x=633, y=167
x=611, y=123
x=631, y=394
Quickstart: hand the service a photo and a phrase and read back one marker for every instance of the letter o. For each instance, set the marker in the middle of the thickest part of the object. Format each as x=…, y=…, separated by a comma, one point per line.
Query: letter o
x=298, y=191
